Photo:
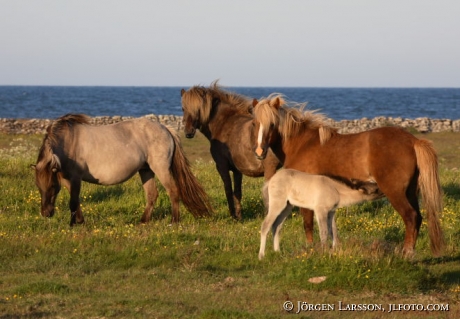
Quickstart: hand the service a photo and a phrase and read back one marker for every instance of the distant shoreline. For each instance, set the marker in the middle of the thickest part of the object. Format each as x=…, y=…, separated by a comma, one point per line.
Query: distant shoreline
x=422, y=124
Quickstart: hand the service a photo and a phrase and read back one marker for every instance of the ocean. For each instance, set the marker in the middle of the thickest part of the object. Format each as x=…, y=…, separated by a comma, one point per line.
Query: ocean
x=336, y=103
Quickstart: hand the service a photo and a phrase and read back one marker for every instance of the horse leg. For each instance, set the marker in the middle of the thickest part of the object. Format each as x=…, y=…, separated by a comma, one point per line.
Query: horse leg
x=276, y=228
x=275, y=209
x=269, y=171
x=171, y=187
x=74, y=187
x=409, y=210
x=332, y=227
x=307, y=215
x=322, y=217
x=226, y=179
x=237, y=193
x=151, y=193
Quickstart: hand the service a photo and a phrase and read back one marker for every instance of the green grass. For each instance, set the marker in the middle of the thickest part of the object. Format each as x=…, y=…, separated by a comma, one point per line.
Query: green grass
x=113, y=267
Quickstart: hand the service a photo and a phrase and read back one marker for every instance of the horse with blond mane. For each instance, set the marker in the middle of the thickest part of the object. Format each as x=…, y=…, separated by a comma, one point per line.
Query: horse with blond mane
x=225, y=119
x=401, y=164
x=74, y=151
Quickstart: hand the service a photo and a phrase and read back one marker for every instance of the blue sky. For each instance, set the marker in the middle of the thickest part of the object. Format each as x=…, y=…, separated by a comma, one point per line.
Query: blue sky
x=352, y=43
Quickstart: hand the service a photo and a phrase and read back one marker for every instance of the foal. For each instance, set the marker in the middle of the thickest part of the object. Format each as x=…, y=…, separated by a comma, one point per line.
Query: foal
x=288, y=188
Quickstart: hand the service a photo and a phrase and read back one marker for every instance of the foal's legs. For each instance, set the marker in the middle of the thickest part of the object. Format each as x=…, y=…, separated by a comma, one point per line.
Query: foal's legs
x=275, y=209
x=276, y=228
x=151, y=193
x=332, y=228
x=322, y=217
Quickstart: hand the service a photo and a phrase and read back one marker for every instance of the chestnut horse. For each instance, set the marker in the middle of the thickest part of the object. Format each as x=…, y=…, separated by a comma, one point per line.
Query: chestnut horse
x=225, y=119
x=74, y=151
x=397, y=161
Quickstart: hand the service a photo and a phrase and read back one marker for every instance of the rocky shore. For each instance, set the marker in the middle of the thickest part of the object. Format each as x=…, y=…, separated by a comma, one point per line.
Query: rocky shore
x=422, y=125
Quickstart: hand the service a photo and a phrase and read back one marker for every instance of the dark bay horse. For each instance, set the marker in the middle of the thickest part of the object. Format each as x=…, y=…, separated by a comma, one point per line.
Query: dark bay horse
x=225, y=119
x=397, y=161
x=74, y=151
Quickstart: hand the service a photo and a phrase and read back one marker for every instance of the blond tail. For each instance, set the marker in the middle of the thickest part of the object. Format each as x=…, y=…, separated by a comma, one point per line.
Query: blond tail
x=430, y=187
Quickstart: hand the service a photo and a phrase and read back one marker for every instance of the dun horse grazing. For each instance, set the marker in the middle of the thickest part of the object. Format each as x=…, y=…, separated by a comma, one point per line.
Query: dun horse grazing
x=397, y=161
x=74, y=151
x=288, y=188
x=224, y=118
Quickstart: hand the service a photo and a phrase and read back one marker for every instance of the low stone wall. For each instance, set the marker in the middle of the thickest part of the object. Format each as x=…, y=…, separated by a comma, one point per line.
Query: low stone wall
x=423, y=124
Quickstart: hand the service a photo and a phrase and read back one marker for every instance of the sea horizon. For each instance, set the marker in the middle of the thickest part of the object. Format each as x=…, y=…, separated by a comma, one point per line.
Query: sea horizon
x=47, y=101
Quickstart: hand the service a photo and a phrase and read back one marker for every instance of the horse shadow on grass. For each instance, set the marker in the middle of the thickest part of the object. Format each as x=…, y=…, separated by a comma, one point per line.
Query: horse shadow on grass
x=101, y=194
x=118, y=193
x=452, y=190
x=451, y=277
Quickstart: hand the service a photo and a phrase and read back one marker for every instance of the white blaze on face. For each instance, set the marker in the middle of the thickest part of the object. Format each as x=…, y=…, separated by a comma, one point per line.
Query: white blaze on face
x=259, y=149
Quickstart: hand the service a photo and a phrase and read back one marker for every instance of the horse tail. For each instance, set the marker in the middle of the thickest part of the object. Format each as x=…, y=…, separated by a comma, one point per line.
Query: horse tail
x=190, y=190
x=430, y=187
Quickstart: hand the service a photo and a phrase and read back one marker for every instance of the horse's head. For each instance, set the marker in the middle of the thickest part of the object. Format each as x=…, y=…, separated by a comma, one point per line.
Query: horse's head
x=197, y=103
x=47, y=179
x=265, y=124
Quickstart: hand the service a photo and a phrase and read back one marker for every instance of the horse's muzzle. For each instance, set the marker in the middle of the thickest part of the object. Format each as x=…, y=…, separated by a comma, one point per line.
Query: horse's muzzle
x=47, y=212
x=190, y=134
x=261, y=156
x=260, y=153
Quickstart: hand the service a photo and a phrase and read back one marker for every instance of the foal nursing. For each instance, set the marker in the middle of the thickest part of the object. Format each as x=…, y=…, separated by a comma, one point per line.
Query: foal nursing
x=289, y=188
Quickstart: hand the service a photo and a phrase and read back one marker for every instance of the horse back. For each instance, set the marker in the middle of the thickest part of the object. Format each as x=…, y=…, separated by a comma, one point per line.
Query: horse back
x=360, y=156
x=111, y=154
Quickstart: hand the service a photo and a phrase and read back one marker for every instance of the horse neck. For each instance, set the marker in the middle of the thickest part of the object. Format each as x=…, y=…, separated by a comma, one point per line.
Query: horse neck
x=290, y=148
x=277, y=147
x=220, y=115
x=204, y=129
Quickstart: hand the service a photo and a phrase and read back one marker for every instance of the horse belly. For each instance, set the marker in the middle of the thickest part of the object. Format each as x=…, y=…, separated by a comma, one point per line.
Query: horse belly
x=115, y=171
x=248, y=165
x=332, y=163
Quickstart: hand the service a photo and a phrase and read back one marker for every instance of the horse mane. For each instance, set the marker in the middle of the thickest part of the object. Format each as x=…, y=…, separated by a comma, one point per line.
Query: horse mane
x=199, y=100
x=64, y=124
x=290, y=117
x=53, y=134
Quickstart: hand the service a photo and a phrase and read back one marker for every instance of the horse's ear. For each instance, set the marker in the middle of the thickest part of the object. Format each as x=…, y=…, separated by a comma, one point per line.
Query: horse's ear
x=182, y=92
x=254, y=102
x=276, y=103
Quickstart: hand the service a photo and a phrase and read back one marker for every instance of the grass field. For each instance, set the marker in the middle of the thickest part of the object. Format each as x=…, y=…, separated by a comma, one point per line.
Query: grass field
x=113, y=267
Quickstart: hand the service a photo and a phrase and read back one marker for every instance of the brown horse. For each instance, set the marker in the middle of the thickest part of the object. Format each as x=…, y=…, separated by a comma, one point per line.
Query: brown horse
x=225, y=119
x=397, y=161
x=74, y=151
